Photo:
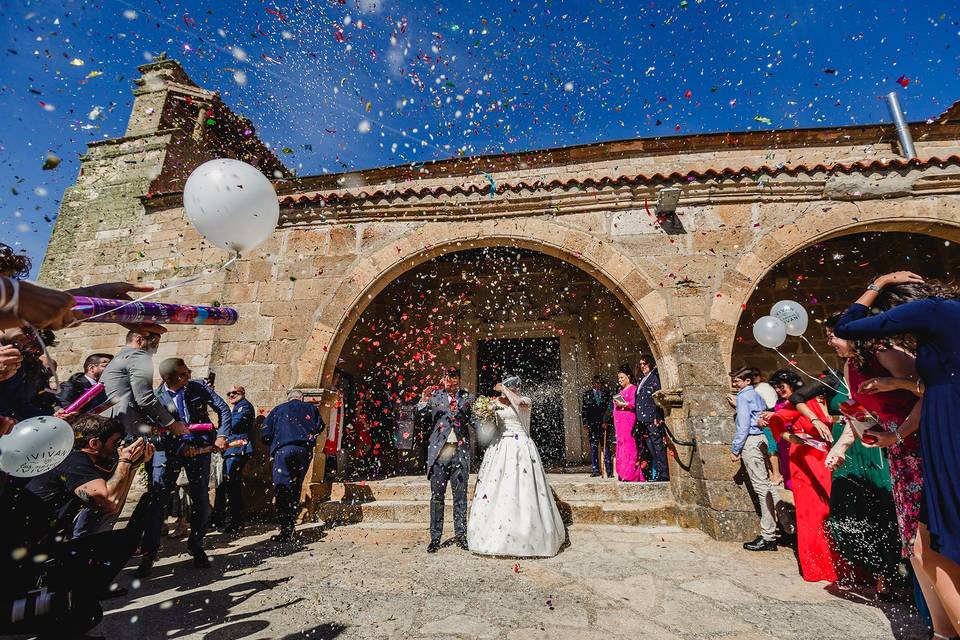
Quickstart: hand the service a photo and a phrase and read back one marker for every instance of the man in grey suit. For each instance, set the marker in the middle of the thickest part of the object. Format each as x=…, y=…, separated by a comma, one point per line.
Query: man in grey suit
x=128, y=381
x=448, y=410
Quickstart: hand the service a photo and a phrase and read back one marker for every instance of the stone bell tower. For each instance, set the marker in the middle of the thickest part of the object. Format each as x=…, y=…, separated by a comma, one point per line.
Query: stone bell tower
x=174, y=126
x=109, y=227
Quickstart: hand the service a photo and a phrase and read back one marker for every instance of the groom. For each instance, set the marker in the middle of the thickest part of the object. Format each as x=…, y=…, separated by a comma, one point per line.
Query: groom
x=448, y=410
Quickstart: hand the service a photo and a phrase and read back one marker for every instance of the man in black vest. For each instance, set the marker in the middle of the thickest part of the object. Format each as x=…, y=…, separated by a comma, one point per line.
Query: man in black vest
x=595, y=405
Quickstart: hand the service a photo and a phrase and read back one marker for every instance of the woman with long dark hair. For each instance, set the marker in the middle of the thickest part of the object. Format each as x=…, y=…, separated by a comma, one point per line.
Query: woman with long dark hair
x=872, y=371
x=926, y=317
x=624, y=418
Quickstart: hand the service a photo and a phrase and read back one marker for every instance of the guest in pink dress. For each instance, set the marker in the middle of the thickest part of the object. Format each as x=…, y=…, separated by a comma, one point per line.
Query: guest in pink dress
x=624, y=417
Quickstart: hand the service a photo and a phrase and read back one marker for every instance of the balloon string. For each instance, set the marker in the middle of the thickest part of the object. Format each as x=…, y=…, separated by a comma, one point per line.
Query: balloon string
x=830, y=370
x=820, y=380
x=795, y=366
x=151, y=294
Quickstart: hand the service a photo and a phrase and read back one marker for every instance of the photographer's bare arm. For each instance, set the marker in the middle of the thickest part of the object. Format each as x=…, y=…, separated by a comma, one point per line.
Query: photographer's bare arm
x=108, y=496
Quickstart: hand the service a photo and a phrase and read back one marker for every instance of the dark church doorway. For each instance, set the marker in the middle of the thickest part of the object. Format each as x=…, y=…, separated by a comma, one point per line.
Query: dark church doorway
x=537, y=362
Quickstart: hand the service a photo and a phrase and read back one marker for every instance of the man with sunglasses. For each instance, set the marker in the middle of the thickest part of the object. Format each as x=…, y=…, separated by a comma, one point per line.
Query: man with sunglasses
x=229, y=500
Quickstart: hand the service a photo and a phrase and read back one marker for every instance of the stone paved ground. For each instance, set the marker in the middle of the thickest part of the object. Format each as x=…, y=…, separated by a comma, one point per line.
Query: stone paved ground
x=375, y=581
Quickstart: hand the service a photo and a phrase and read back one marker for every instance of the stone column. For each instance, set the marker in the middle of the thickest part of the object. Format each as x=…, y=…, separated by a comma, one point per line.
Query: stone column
x=709, y=488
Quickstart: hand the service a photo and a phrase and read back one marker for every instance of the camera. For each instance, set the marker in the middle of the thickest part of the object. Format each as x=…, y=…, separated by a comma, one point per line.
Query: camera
x=159, y=442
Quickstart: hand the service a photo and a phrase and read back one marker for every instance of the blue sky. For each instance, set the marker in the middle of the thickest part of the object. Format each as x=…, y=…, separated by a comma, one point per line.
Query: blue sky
x=336, y=85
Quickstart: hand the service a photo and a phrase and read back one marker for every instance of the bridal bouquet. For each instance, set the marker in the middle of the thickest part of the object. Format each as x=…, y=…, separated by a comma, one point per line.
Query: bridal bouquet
x=484, y=409
x=484, y=412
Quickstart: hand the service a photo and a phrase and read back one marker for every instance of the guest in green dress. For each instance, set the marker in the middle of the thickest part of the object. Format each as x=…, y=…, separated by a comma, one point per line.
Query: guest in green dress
x=863, y=520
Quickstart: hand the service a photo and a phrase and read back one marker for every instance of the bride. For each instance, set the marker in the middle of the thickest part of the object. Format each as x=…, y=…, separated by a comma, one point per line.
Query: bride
x=513, y=511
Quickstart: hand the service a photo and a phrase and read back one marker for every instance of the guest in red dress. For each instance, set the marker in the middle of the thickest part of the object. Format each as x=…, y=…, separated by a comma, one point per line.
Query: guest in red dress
x=811, y=479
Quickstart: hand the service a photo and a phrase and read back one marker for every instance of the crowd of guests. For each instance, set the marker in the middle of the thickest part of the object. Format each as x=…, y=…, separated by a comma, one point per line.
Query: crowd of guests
x=868, y=450
x=626, y=429
x=62, y=548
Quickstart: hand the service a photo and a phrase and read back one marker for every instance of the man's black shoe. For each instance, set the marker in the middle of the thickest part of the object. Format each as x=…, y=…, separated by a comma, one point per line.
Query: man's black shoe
x=283, y=537
x=760, y=545
x=433, y=547
x=462, y=542
x=200, y=560
x=145, y=568
x=595, y=474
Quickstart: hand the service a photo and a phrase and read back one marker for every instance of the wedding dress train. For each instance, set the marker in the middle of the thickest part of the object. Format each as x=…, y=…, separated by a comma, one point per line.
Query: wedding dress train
x=513, y=511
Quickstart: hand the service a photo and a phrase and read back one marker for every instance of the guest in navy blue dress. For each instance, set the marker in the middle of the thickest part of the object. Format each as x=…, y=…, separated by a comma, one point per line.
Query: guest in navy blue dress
x=928, y=315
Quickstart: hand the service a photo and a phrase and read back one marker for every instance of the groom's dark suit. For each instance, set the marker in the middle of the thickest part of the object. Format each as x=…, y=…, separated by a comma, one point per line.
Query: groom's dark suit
x=453, y=467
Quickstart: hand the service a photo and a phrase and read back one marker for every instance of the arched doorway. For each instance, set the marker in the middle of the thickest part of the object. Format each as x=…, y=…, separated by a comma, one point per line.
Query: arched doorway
x=488, y=310
x=825, y=278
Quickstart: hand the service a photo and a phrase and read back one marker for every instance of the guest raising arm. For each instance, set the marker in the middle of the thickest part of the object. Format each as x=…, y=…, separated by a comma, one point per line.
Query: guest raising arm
x=928, y=314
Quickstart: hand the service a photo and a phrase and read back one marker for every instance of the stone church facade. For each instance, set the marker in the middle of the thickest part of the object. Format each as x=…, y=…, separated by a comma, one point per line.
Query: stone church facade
x=745, y=203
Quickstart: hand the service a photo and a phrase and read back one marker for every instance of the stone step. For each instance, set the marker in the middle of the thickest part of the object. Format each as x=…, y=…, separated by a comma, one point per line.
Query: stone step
x=580, y=498
x=566, y=489
x=622, y=513
x=410, y=512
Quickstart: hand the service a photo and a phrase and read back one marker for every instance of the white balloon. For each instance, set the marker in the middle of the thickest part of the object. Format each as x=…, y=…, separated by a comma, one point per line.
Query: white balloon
x=35, y=446
x=231, y=204
x=770, y=332
x=791, y=314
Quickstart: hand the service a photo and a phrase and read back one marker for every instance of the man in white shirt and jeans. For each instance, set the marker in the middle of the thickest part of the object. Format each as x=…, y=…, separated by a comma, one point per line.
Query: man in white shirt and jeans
x=750, y=448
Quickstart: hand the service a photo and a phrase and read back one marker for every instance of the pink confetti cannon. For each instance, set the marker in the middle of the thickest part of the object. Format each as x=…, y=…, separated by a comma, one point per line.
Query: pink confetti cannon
x=90, y=309
x=87, y=396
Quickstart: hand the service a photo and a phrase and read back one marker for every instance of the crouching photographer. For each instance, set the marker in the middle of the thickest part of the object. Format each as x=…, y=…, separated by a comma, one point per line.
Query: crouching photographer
x=87, y=491
x=57, y=552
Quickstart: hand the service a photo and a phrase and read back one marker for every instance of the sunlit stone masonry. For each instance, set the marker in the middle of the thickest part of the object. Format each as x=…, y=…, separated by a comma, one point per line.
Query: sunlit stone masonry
x=566, y=261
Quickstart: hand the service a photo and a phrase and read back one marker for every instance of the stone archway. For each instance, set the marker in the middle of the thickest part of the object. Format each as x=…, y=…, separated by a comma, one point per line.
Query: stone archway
x=825, y=277
x=830, y=220
x=615, y=271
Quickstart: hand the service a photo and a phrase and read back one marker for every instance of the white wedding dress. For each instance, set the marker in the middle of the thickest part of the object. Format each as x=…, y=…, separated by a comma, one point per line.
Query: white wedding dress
x=513, y=511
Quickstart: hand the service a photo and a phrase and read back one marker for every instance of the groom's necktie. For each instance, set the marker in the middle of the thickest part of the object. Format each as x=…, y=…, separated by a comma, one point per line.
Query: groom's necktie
x=452, y=436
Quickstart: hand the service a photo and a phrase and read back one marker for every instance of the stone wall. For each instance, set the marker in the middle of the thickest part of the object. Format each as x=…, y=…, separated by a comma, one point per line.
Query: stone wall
x=685, y=282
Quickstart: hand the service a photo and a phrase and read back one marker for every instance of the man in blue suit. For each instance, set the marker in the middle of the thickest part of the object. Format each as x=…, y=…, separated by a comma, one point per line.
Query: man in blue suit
x=229, y=500
x=291, y=430
x=188, y=400
x=650, y=421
